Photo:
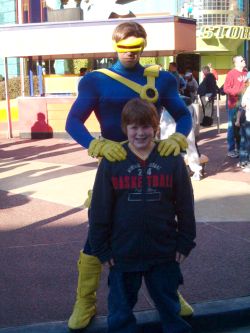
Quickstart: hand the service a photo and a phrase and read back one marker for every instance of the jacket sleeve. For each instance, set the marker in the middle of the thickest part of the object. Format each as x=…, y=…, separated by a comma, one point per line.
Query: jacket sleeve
x=100, y=213
x=81, y=109
x=184, y=203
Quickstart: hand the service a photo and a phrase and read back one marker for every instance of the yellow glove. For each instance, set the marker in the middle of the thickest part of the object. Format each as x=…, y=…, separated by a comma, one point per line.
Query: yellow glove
x=172, y=145
x=95, y=147
x=113, y=151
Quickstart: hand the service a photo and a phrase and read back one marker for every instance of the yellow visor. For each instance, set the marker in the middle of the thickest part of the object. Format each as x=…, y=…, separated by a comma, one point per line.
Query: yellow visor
x=136, y=45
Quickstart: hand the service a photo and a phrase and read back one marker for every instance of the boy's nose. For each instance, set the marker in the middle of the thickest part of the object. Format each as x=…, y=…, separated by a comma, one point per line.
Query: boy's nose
x=140, y=131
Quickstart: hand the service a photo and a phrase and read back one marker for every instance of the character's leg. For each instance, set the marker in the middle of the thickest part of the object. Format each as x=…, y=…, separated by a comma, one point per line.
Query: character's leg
x=123, y=291
x=87, y=202
x=186, y=309
x=89, y=271
x=162, y=282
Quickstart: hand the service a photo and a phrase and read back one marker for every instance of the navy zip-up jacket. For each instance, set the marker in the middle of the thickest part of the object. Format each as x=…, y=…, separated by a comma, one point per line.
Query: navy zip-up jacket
x=142, y=212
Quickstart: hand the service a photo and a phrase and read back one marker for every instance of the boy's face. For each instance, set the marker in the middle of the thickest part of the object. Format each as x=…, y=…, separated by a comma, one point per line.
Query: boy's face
x=140, y=136
x=129, y=59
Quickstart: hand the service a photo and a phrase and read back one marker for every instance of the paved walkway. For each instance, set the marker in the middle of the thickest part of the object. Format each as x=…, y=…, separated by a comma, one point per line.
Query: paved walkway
x=43, y=185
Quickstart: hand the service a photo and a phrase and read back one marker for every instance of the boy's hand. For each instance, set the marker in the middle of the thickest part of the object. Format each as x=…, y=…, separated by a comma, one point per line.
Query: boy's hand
x=180, y=257
x=237, y=123
x=109, y=263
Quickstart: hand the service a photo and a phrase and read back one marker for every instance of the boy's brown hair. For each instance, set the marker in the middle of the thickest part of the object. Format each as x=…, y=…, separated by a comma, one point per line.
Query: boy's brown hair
x=128, y=29
x=140, y=112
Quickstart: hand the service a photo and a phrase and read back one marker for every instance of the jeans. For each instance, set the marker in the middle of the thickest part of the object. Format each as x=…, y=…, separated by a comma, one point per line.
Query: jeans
x=162, y=282
x=233, y=133
x=245, y=142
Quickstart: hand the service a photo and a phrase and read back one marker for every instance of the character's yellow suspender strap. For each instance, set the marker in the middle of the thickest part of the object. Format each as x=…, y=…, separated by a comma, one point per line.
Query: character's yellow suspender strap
x=148, y=91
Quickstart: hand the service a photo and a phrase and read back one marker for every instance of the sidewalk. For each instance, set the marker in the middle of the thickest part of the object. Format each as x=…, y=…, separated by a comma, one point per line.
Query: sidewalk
x=43, y=185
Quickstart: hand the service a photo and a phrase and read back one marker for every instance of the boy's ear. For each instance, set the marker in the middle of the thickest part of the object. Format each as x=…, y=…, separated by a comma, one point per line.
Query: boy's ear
x=124, y=129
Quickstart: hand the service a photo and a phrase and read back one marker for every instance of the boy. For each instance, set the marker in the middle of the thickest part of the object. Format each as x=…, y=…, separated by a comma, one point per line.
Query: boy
x=142, y=223
x=106, y=97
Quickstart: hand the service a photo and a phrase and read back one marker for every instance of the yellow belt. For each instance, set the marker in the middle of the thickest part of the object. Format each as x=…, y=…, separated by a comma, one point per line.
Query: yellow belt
x=148, y=91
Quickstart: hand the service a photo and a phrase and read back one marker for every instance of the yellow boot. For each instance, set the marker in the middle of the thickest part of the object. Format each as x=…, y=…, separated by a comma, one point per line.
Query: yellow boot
x=89, y=271
x=186, y=309
x=87, y=202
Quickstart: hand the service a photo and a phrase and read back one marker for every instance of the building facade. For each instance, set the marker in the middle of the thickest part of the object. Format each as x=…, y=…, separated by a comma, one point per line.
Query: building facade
x=222, y=25
x=222, y=32
x=8, y=15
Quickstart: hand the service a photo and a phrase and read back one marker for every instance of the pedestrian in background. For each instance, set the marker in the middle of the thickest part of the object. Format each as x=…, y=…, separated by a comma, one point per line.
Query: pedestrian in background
x=192, y=156
x=207, y=91
x=181, y=84
x=233, y=88
x=191, y=86
x=83, y=71
x=243, y=121
x=145, y=199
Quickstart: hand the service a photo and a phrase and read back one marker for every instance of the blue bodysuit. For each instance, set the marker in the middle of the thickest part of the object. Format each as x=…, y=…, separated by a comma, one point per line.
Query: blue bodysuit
x=106, y=97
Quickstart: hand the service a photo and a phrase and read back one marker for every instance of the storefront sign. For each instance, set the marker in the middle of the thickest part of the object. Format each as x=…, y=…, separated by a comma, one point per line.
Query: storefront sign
x=224, y=31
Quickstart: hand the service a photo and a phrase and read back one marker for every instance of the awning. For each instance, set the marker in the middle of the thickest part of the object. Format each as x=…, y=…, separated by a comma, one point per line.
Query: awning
x=167, y=35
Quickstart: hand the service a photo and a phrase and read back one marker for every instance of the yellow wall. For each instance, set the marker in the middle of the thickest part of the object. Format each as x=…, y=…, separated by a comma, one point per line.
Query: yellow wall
x=13, y=110
x=61, y=84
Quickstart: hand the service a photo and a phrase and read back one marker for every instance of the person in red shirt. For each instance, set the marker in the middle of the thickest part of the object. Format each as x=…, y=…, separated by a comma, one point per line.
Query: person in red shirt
x=233, y=87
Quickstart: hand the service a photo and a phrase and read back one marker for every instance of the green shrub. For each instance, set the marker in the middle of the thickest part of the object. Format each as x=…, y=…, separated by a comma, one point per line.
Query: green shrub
x=14, y=86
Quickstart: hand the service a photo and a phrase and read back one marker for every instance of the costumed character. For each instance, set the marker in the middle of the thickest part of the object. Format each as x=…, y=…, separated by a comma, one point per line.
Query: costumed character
x=103, y=93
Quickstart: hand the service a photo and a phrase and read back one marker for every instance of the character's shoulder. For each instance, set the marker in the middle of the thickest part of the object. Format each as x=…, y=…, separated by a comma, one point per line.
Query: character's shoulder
x=166, y=76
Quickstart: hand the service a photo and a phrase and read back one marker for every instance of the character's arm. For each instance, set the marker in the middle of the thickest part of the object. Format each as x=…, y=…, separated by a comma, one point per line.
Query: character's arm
x=175, y=105
x=178, y=110
x=184, y=203
x=100, y=213
x=81, y=109
x=88, y=101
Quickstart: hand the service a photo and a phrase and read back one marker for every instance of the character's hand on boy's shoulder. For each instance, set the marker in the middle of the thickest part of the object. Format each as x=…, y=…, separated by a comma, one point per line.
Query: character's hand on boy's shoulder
x=113, y=151
x=172, y=145
x=180, y=257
